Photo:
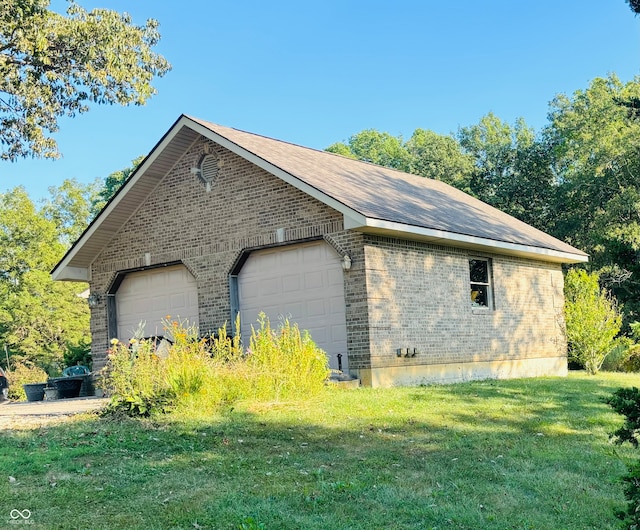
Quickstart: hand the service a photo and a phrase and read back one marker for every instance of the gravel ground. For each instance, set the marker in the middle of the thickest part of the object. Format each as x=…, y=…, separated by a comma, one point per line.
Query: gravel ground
x=30, y=415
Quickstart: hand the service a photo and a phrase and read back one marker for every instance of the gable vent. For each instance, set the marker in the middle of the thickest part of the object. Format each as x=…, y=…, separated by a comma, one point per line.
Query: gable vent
x=209, y=169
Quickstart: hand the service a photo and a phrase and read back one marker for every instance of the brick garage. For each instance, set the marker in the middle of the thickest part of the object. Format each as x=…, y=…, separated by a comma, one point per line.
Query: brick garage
x=432, y=285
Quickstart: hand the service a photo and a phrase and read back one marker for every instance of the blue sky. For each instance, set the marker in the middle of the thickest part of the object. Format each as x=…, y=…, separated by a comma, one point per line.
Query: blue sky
x=314, y=73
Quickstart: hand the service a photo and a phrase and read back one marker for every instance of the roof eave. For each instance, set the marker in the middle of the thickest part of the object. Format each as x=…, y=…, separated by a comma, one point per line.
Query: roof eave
x=71, y=274
x=451, y=239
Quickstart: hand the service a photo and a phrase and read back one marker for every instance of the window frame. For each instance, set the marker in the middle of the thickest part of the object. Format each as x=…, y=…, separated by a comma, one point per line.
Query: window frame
x=488, y=285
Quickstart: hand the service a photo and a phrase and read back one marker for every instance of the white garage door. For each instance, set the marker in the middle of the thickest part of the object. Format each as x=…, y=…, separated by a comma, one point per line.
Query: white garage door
x=150, y=296
x=302, y=282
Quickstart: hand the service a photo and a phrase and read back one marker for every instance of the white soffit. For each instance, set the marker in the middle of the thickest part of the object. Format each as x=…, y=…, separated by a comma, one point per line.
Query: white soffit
x=451, y=239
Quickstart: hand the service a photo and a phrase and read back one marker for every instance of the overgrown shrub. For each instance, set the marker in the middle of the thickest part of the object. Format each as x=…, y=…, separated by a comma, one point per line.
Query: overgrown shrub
x=280, y=363
x=592, y=320
x=626, y=401
x=632, y=362
x=134, y=379
x=23, y=373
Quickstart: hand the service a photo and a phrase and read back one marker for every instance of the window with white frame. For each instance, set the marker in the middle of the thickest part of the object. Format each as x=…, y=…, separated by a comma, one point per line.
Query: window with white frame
x=480, y=282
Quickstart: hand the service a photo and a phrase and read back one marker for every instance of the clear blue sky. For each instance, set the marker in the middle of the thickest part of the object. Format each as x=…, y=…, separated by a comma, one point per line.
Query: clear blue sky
x=316, y=72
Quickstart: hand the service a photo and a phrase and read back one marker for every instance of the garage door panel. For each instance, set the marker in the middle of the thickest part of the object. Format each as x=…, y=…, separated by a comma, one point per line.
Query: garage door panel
x=291, y=283
x=319, y=335
x=317, y=308
x=304, y=283
x=314, y=280
x=312, y=255
x=335, y=277
x=270, y=287
x=339, y=333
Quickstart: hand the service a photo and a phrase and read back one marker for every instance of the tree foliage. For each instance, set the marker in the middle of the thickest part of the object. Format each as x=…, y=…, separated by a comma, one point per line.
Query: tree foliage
x=39, y=319
x=53, y=65
x=634, y=5
x=592, y=319
x=512, y=169
x=376, y=147
x=626, y=401
x=69, y=207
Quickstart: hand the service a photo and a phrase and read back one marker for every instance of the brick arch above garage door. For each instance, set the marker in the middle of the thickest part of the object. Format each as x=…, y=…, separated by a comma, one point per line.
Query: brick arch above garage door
x=151, y=295
x=303, y=282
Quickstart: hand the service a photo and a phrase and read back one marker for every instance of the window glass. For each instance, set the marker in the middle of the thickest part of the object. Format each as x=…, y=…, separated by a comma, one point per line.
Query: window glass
x=478, y=269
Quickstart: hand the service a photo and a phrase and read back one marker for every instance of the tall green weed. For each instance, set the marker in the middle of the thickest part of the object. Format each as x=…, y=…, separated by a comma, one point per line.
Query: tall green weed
x=143, y=378
x=285, y=362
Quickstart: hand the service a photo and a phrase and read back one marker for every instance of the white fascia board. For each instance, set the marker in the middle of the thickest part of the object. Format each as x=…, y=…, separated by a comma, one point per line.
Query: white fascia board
x=57, y=273
x=72, y=274
x=274, y=170
x=461, y=240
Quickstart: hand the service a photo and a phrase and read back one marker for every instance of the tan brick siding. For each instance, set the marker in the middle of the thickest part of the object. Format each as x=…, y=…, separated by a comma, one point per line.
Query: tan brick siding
x=419, y=298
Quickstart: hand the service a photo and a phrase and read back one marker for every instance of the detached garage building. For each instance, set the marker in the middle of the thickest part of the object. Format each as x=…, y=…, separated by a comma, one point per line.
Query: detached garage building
x=404, y=279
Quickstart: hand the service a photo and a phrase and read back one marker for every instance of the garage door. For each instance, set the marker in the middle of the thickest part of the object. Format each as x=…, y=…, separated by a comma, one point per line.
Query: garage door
x=302, y=282
x=150, y=296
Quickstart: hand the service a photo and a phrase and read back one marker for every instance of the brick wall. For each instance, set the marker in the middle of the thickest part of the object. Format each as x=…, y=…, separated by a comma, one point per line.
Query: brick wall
x=419, y=297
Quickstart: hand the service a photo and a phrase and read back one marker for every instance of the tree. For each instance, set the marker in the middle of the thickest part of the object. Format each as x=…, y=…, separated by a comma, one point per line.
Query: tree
x=39, y=319
x=439, y=157
x=634, y=5
x=53, y=65
x=376, y=147
x=426, y=153
x=512, y=169
x=595, y=141
x=592, y=319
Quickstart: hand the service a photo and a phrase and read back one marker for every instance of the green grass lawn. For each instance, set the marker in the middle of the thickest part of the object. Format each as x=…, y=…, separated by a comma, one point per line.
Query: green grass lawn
x=520, y=454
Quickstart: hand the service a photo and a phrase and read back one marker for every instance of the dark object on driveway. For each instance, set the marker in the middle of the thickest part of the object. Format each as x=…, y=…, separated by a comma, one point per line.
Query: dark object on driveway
x=4, y=385
x=67, y=387
x=34, y=391
x=87, y=388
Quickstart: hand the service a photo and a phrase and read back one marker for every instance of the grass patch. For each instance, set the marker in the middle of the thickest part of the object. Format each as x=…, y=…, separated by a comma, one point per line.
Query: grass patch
x=523, y=454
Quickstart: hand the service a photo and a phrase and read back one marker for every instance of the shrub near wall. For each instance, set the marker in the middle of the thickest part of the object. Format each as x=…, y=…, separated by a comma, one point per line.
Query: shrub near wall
x=281, y=363
x=592, y=320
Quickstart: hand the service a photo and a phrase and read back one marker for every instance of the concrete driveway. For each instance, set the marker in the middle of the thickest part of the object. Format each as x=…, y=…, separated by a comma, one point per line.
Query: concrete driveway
x=25, y=414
